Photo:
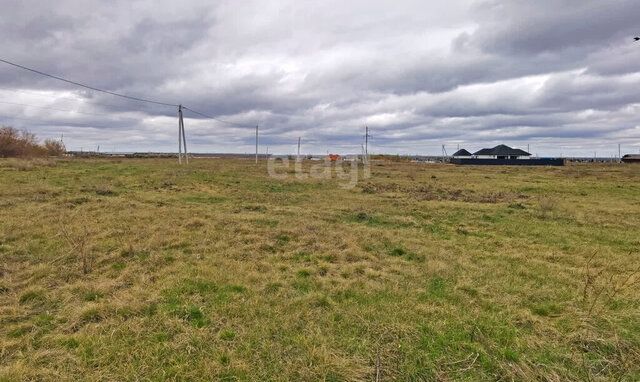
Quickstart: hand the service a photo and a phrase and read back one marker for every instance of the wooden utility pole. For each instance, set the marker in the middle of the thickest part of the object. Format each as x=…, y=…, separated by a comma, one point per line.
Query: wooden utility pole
x=182, y=140
x=298, y=158
x=256, y=144
x=619, y=154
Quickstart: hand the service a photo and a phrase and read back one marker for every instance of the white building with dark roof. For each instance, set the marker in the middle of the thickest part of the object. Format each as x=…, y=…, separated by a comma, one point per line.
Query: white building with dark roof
x=501, y=152
x=502, y=155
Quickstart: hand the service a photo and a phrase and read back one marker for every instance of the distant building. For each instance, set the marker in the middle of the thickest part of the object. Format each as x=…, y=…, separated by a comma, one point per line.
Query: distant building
x=501, y=152
x=631, y=158
x=502, y=155
x=462, y=153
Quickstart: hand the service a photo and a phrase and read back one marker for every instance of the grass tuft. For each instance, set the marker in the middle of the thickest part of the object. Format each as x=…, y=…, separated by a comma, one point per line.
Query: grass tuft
x=227, y=335
x=92, y=295
x=303, y=273
x=32, y=296
x=18, y=332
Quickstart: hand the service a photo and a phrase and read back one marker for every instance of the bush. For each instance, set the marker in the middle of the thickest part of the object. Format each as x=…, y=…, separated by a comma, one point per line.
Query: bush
x=14, y=143
x=54, y=148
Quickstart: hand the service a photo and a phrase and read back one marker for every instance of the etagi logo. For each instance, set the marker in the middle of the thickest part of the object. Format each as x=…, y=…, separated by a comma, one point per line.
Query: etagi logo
x=347, y=169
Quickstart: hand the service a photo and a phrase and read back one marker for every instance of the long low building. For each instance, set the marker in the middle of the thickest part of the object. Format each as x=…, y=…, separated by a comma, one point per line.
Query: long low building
x=631, y=158
x=501, y=152
x=502, y=155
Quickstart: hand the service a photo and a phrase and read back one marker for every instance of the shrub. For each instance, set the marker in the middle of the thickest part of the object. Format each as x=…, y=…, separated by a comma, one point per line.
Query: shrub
x=54, y=148
x=15, y=143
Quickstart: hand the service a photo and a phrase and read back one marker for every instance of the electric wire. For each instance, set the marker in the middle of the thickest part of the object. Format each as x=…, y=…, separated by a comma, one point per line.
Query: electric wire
x=86, y=86
x=216, y=119
x=57, y=123
x=81, y=100
x=118, y=94
x=53, y=108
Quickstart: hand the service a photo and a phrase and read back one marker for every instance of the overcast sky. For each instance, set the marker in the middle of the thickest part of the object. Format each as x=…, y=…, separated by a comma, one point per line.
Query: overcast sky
x=562, y=76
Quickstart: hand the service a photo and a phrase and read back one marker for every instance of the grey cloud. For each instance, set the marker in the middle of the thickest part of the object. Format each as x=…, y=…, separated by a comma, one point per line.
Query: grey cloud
x=558, y=73
x=528, y=28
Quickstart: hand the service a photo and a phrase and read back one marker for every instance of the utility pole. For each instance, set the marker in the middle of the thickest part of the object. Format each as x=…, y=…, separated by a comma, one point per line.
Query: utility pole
x=619, y=154
x=528, y=148
x=180, y=134
x=298, y=158
x=366, y=143
x=256, y=144
x=182, y=140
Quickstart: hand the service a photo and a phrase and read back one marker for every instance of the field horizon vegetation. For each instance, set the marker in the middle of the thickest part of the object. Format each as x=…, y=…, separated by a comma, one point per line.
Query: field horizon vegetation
x=24, y=144
x=143, y=269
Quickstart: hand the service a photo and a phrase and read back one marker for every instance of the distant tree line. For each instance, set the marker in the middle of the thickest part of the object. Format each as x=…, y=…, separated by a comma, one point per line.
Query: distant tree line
x=16, y=143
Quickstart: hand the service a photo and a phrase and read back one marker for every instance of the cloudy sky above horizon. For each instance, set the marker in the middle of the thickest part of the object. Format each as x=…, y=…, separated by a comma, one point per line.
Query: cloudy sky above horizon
x=562, y=76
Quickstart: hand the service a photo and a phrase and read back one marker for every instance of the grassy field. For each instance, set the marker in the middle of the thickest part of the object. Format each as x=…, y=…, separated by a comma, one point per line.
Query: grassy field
x=142, y=269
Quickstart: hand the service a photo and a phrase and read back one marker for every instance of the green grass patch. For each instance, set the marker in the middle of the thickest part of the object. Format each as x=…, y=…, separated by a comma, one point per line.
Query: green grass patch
x=18, y=332
x=32, y=296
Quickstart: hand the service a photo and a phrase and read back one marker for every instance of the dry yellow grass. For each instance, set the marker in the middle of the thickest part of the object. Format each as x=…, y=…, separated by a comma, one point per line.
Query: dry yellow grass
x=142, y=269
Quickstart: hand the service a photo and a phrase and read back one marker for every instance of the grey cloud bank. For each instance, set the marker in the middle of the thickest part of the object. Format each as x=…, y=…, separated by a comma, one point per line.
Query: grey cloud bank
x=561, y=76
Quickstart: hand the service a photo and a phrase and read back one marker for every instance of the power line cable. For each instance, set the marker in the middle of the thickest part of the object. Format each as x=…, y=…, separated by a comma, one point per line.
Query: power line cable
x=87, y=86
x=81, y=100
x=53, y=108
x=216, y=119
x=57, y=123
x=117, y=94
